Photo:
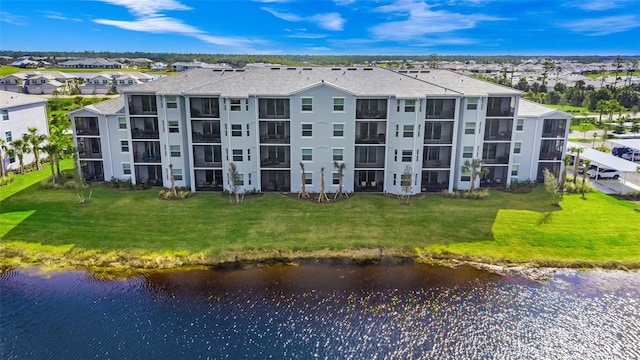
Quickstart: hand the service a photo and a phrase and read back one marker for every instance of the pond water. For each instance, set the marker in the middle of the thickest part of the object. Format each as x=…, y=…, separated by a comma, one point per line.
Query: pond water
x=320, y=311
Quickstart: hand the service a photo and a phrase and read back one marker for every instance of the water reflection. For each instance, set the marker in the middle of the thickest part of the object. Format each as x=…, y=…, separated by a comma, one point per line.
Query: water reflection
x=319, y=311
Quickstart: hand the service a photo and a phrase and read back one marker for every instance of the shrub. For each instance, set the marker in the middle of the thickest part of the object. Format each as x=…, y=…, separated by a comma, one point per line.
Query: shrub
x=578, y=187
x=181, y=194
x=520, y=187
x=478, y=194
x=7, y=179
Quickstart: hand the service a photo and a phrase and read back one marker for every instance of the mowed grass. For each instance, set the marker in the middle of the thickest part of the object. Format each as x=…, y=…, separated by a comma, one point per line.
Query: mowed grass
x=21, y=182
x=522, y=228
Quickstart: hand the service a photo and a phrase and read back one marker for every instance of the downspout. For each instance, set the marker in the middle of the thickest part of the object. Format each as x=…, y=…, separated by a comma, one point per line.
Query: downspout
x=416, y=151
x=165, y=130
x=228, y=131
x=109, y=143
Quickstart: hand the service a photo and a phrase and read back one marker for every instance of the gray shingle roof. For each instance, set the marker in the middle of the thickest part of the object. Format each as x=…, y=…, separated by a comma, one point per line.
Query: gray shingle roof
x=108, y=107
x=10, y=99
x=528, y=108
x=464, y=84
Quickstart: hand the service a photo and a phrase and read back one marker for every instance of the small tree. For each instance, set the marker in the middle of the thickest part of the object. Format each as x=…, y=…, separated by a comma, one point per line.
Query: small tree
x=35, y=140
x=576, y=162
x=19, y=148
x=303, y=186
x=234, y=182
x=551, y=185
x=475, y=167
x=405, y=182
x=565, y=162
x=340, y=167
x=587, y=165
x=3, y=150
x=323, y=196
x=584, y=127
x=172, y=179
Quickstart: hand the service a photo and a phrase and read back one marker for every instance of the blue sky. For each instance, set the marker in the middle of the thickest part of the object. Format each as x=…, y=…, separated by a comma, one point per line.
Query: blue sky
x=325, y=27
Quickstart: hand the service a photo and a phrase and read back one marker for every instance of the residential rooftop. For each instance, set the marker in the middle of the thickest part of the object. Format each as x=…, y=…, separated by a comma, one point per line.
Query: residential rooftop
x=527, y=108
x=10, y=99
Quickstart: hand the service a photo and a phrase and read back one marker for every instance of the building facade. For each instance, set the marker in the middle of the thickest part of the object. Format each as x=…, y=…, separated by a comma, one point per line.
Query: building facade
x=411, y=128
x=18, y=113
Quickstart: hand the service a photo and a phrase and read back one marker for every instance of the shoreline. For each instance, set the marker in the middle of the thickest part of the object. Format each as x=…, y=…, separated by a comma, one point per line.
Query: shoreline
x=136, y=262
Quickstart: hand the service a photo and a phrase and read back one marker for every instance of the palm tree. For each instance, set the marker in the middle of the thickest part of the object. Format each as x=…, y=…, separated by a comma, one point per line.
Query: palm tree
x=576, y=162
x=62, y=142
x=475, y=167
x=35, y=140
x=340, y=167
x=52, y=150
x=323, y=196
x=587, y=165
x=565, y=161
x=20, y=147
x=618, y=63
x=303, y=188
x=3, y=147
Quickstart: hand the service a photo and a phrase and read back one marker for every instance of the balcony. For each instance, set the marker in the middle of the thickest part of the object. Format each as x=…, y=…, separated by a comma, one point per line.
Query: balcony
x=87, y=126
x=273, y=108
x=206, y=137
x=495, y=178
x=149, y=174
x=369, y=157
x=500, y=106
x=436, y=164
x=554, y=128
x=209, y=180
x=144, y=128
x=89, y=148
x=207, y=156
x=275, y=180
x=369, y=181
x=204, y=107
x=371, y=108
x=498, y=159
x=146, y=152
x=435, y=181
x=370, y=132
x=92, y=170
x=498, y=130
x=275, y=163
x=551, y=155
x=440, y=108
x=84, y=153
x=438, y=132
x=496, y=153
x=551, y=149
x=142, y=105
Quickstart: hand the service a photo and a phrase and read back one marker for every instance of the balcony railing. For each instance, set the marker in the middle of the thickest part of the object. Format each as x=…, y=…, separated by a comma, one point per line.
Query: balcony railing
x=368, y=186
x=555, y=155
x=275, y=163
x=145, y=134
x=498, y=136
x=558, y=133
x=379, y=139
x=206, y=138
x=445, y=139
x=149, y=182
x=139, y=110
x=500, y=159
x=436, y=163
x=445, y=114
x=147, y=158
x=434, y=187
x=364, y=164
x=500, y=112
x=89, y=155
x=207, y=164
x=87, y=131
x=371, y=114
x=274, y=139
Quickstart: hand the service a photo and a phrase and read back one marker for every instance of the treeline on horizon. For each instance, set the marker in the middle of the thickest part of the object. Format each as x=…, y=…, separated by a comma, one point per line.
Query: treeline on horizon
x=239, y=60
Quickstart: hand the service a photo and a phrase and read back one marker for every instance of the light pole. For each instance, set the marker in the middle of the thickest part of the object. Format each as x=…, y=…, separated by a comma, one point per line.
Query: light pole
x=595, y=135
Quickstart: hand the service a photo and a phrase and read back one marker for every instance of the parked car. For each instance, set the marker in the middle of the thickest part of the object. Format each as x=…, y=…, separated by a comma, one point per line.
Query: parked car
x=603, y=173
x=581, y=168
x=619, y=151
x=631, y=155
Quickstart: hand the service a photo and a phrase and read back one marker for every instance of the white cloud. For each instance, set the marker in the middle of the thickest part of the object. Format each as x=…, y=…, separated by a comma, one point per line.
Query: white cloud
x=603, y=26
x=330, y=21
x=344, y=2
x=598, y=5
x=306, y=36
x=58, y=16
x=13, y=19
x=149, y=18
x=419, y=19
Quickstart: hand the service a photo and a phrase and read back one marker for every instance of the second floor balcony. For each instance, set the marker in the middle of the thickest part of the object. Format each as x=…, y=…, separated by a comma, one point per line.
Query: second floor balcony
x=207, y=156
x=370, y=132
x=89, y=148
x=87, y=126
x=275, y=157
x=436, y=157
x=205, y=131
x=369, y=157
x=146, y=152
x=145, y=128
x=498, y=129
x=438, y=132
x=275, y=132
x=551, y=149
x=496, y=153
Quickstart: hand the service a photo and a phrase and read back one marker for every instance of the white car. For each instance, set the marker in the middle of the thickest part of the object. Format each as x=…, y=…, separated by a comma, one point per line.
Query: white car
x=631, y=155
x=603, y=173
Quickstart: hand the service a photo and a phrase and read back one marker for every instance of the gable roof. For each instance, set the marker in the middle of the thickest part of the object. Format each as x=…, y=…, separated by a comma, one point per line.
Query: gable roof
x=10, y=99
x=463, y=84
x=527, y=108
x=113, y=106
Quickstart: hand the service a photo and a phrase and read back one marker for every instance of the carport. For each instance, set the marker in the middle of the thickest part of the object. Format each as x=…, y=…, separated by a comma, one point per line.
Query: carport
x=633, y=144
x=601, y=159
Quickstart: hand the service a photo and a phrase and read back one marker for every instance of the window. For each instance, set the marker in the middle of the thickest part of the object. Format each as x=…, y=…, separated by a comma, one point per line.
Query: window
x=467, y=152
x=409, y=106
x=338, y=154
x=308, y=178
x=407, y=131
x=249, y=159
x=240, y=179
x=514, y=169
x=338, y=130
x=395, y=179
x=273, y=108
x=307, y=130
x=7, y=136
x=177, y=174
x=516, y=147
x=249, y=178
x=470, y=128
x=338, y=104
x=472, y=103
x=236, y=104
x=519, y=124
x=397, y=130
x=236, y=130
x=237, y=154
x=126, y=168
x=172, y=103
x=122, y=122
x=124, y=146
x=307, y=154
x=248, y=129
x=175, y=150
x=307, y=104
x=406, y=155
x=174, y=127
x=466, y=176
x=12, y=159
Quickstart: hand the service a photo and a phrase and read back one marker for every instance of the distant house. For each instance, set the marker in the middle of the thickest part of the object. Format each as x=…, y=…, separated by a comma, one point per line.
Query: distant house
x=35, y=82
x=90, y=64
x=25, y=63
x=158, y=66
x=18, y=113
x=195, y=64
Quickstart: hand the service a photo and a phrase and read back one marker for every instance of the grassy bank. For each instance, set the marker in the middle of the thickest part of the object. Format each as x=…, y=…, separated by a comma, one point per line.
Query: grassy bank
x=135, y=228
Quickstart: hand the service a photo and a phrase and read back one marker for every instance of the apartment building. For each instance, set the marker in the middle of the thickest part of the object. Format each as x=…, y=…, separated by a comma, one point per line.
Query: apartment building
x=385, y=126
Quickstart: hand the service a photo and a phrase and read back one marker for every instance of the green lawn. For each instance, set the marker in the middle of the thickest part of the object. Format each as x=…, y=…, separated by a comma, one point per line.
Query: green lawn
x=504, y=227
x=24, y=181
